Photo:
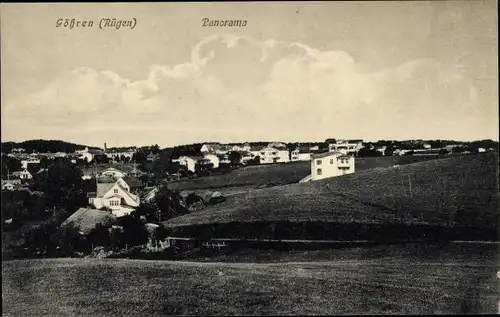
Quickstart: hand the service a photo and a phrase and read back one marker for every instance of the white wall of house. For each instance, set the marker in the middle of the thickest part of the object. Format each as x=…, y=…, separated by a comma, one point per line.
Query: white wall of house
x=24, y=174
x=86, y=156
x=187, y=161
x=271, y=155
x=214, y=159
x=296, y=156
x=123, y=184
x=335, y=164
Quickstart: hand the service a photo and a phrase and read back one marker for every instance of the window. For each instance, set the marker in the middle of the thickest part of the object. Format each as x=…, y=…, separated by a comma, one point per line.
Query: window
x=318, y=162
x=116, y=191
x=319, y=171
x=331, y=161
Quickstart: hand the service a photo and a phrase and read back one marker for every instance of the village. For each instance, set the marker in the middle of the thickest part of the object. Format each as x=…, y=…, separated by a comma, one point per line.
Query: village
x=116, y=183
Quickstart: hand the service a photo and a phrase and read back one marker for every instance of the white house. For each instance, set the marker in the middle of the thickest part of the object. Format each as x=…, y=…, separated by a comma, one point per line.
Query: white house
x=381, y=149
x=248, y=156
x=427, y=146
x=130, y=184
x=346, y=146
x=301, y=154
x=275, y=152
x=223, y=159
x=119, y=154
x=113, y=173
x=241, y=148
x=24, y=174
x=214, y=159
x=331, y=164
x=189, y=161
x=271, y=155
x=115, y=197
x=210, y=148
x=8, y=186
x=24, y=163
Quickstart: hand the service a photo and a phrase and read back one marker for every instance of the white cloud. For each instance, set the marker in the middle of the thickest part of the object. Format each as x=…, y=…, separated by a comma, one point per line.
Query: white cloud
x=284, y=90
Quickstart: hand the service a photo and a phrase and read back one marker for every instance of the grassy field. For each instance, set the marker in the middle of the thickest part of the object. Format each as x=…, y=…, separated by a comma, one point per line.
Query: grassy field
x=460, y=191
x=261, y=176
x=414, y=280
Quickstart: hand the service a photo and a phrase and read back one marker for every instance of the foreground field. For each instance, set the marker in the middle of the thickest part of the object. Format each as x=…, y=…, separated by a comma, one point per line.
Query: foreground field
x=401, y=280
x=456, y=192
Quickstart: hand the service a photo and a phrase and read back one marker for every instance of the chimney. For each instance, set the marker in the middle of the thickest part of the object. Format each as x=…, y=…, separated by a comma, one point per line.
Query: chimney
x=104, y=146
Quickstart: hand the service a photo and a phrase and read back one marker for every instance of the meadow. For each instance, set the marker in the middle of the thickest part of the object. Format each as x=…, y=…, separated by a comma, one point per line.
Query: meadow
x=386, y=280
x=248, y=178
x=455, y=192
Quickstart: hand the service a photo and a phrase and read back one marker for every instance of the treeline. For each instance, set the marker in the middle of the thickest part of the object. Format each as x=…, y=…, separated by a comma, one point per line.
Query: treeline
x=43, y=146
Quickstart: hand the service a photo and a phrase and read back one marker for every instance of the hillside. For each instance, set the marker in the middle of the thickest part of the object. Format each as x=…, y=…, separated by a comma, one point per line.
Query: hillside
x=43, y=146
x=248, y=177
x=261, y=176
x=460, y=191
x=395, y=280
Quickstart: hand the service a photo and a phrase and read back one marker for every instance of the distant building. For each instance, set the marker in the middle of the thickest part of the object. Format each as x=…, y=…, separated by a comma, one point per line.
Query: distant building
x=331, y=164
x=24, y=163
x=301, y=153
x=381, y=149
x=274, y=153
x=350, y=147
x=427, y=146
x=153, y=157
x=113, y=172
x=11, y=184
x=190, y=162
x=214, y=159
x=24, y=174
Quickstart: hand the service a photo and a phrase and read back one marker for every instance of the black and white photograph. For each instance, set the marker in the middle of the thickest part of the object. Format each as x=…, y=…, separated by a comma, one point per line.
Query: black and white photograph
x=250, y=158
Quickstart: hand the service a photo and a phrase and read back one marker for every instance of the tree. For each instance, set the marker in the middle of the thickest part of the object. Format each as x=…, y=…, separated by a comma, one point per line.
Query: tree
x=9, y=165
x=169, y=203
x=99, y=236
x=203, y=168
x=134, y=231
x=367, y=152
x=234, y=157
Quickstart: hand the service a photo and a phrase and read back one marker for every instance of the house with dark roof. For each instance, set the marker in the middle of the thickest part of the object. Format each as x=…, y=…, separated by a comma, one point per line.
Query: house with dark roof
x=113, y=196
x=131, y=184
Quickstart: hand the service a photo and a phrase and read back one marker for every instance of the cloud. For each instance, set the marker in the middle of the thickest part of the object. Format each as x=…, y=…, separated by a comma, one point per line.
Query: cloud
x=241, y=84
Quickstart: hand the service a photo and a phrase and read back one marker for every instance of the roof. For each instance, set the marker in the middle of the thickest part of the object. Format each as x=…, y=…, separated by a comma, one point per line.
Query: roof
x=132, y=181
x=302, y=149
x=103, y=188
x=327, y=154
x=196, y=158
x=277, y=145
x=85, y=219
x=254, y=148
x=105, y=179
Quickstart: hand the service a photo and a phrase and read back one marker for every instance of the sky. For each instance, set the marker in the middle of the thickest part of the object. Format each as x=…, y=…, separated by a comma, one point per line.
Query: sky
x=296, y=72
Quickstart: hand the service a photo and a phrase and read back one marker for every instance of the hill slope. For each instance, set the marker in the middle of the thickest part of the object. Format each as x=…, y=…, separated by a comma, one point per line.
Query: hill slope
x=459, y=191
x=259, y=176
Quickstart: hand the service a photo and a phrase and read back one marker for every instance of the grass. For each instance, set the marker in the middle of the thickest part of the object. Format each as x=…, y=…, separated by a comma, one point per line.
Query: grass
x=409, y=280
x=261, y=176
x=459, y=191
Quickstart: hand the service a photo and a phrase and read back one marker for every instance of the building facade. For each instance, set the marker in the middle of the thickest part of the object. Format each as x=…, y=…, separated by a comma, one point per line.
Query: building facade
x=331, y=164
